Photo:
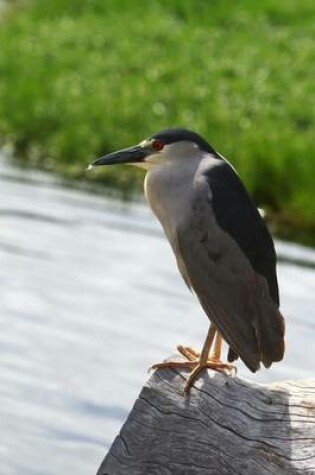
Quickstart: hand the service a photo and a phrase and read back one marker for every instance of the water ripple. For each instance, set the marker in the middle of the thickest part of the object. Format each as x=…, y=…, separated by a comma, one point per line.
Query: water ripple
x=90, y=298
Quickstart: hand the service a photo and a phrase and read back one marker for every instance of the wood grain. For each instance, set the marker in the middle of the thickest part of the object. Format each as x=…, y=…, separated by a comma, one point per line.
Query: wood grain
x=226, y=426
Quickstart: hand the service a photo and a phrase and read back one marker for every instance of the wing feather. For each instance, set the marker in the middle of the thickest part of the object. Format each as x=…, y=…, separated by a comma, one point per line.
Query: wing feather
x=222, y=271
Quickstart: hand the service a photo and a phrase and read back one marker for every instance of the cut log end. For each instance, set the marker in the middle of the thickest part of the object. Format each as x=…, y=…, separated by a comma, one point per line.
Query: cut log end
x=225, y=426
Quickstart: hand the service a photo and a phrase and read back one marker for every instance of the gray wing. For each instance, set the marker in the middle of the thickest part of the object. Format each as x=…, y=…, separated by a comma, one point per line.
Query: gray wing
x=219, y=267
x=239, y=217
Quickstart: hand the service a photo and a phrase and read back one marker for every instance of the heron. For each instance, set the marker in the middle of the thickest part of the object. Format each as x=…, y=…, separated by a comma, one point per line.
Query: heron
x=222, y=247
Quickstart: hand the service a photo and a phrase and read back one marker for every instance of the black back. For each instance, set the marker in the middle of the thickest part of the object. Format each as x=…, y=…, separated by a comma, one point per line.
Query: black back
x=239, y=217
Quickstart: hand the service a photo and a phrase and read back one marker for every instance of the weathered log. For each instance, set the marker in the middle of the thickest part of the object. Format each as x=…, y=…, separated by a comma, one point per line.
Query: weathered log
x=226, y=426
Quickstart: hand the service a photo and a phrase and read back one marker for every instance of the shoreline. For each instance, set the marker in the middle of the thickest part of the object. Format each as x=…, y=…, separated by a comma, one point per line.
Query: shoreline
x=282, y=225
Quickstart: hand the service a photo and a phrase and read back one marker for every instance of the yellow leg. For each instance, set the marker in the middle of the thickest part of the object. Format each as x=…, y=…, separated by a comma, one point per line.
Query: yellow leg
x=197, y=362
x=191, y=354
x=206, y=361
x=216, y=354
x=208, y=343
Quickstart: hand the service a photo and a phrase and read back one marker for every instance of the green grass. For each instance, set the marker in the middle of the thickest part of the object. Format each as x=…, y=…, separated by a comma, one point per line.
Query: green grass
x=79, y=78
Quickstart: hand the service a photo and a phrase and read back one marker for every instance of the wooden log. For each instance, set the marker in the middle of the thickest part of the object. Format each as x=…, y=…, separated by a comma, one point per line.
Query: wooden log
x=225, y=426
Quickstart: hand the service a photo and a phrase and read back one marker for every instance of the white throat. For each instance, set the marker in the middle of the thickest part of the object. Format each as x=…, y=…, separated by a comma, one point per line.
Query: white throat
x=168, y=186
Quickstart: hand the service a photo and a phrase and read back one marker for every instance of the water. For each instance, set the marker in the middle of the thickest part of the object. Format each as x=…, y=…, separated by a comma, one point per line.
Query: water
x=90, y=297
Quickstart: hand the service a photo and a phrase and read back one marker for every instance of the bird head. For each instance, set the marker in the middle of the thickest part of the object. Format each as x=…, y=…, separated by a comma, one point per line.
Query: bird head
x=168, y=144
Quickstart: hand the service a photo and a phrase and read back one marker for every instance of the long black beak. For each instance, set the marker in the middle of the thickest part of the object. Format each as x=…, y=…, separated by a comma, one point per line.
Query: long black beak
x=127, y=155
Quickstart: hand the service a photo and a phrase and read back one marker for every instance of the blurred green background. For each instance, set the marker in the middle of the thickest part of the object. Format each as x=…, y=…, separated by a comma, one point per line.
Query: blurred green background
x=81, y=78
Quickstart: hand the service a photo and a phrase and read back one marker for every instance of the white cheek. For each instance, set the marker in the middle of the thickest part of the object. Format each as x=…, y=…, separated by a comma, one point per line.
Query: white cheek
x=155, y=158
x=143, y=165
x=149, y=162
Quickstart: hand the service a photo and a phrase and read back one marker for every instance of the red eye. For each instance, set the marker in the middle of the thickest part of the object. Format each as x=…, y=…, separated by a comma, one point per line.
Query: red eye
x=157, y=145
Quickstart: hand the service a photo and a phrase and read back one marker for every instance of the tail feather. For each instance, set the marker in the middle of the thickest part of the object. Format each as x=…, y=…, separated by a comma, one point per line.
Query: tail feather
x=269, y=326
x=270, y=330
x=232, y=355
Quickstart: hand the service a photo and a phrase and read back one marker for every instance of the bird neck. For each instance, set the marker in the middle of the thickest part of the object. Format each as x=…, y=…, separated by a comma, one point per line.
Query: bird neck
x=168, y=188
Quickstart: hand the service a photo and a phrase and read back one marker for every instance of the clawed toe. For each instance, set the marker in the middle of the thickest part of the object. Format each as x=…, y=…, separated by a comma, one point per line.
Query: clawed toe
x=219, y=366
x=173, y=364
x=195, y=367
x=190, y=353
x=197, y=362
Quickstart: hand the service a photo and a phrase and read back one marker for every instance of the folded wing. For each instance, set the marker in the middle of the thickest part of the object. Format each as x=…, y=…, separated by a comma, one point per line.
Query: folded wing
x=226, y=255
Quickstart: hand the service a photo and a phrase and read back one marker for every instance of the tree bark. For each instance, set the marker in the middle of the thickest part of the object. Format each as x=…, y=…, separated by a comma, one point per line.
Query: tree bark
x=225, y=426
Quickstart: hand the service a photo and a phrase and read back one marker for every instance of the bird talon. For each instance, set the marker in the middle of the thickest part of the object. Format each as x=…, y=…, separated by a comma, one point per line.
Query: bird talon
x=215, y=365
x=173, y=364
x=190, y=353
x=195, y=366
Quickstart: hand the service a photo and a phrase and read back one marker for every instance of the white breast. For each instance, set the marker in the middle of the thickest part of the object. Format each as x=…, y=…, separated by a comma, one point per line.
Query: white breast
x=168, y=189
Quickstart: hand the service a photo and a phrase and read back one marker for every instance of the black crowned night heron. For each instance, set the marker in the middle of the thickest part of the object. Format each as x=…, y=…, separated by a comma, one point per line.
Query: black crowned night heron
x=222, y=247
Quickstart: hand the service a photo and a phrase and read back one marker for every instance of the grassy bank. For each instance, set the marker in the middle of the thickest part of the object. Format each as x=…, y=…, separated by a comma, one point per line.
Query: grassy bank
x=80, y=78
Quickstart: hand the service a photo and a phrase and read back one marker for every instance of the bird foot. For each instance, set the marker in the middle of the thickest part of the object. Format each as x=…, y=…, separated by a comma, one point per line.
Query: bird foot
x=190, y=353
x=195, y=365
x=216, y=365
